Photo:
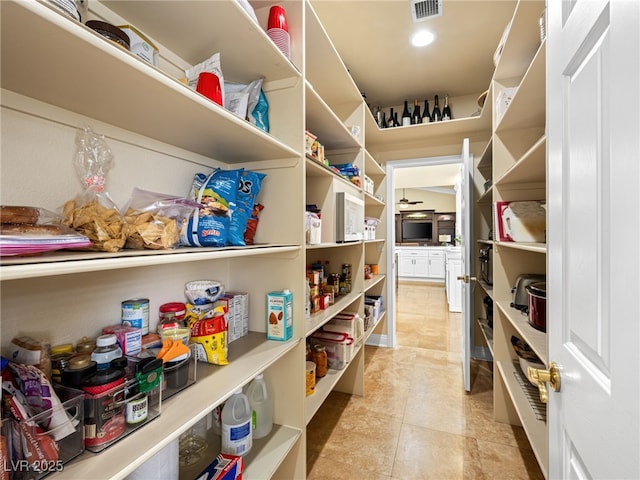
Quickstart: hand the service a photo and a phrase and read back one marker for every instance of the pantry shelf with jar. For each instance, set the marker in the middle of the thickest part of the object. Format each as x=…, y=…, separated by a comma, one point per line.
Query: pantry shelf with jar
x=63, y=76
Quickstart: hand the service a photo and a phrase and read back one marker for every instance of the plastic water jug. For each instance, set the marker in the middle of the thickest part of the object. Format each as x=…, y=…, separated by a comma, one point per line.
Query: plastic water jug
x=262, y=407
x=237, y=435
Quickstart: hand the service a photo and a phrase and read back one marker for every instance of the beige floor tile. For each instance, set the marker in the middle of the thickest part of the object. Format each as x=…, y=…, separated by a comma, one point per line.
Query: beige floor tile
x=415, y=420
x=425, y=454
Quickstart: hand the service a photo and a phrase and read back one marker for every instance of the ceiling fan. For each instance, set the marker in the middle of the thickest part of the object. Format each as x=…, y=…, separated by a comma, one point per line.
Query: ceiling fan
x=404, y=201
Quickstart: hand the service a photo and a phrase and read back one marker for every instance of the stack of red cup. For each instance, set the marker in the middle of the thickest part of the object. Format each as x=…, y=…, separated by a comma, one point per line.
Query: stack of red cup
x=277, y=29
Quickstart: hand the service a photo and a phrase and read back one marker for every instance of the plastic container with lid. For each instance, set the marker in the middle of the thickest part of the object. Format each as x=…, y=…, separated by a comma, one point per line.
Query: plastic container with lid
x=237, y=436
x=261, y=402
x=107, y=349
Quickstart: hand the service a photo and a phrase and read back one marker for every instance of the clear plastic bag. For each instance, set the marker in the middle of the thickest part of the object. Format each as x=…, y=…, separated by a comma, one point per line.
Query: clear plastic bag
x=154, y=220
x=93, y=213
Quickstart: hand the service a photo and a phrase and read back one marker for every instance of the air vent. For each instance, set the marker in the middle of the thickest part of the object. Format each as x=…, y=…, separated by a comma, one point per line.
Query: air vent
x=423, y=9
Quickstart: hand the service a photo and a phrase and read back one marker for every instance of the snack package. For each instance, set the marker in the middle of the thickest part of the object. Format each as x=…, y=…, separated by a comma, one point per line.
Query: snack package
x=260, y=113
x=209, y=333
x=209, y=226
x=248, y=188
x=154, y=220
x=241, y=98
x=93, y=213
x=252, y=224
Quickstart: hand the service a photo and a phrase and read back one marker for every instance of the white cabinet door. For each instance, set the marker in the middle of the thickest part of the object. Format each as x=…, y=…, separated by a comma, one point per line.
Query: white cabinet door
x=436, y=265
x=454, y=270
x=594, y=223
x=405, y=265
x=421, y=265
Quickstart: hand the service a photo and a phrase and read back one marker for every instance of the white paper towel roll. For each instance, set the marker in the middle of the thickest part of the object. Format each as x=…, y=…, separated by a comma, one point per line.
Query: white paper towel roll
x=164, y=465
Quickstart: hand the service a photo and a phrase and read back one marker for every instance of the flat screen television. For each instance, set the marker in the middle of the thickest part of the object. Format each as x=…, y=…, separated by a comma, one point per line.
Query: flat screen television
x=413, y=231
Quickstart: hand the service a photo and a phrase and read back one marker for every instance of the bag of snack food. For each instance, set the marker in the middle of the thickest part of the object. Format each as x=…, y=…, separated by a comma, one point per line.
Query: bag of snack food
x=248, y=188
x=154, y=220
x=209, y=226
x=93, y=213
x=252, y=224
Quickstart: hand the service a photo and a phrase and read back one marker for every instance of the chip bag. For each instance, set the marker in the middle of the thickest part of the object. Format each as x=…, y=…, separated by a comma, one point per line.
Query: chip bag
x=209, y=333
x=248, y=188
x=209, y=226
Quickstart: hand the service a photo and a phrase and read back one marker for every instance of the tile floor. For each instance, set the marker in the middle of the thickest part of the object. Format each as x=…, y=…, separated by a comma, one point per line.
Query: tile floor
x=415, y=420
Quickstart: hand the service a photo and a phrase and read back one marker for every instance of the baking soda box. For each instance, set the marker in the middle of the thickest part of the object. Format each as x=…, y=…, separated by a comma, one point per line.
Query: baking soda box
x=279, y=315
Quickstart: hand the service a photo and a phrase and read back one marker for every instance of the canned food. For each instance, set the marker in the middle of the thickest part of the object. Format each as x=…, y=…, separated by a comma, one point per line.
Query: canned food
x=135, y=313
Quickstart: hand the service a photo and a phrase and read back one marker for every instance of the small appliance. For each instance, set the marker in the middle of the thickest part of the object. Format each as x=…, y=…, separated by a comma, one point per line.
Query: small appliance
x=349, y=218
x=520, y=296
x=486, y=264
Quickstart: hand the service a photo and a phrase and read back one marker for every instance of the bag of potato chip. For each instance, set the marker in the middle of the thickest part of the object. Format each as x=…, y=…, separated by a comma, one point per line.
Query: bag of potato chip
x=209, y=226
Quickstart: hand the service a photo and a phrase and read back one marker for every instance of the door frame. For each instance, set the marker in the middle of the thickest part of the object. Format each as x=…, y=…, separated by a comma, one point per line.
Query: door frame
x=389, y=339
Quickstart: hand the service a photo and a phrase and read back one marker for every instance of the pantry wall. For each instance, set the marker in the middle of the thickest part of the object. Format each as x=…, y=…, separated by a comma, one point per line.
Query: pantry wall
x=161, y=133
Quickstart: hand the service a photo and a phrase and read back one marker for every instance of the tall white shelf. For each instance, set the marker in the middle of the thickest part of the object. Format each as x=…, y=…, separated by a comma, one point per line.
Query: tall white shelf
x=515, y=163
x=61, y=76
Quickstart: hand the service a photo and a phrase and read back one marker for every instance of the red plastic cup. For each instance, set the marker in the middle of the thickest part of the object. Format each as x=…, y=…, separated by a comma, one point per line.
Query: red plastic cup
x=209, y=86
x=277, y=18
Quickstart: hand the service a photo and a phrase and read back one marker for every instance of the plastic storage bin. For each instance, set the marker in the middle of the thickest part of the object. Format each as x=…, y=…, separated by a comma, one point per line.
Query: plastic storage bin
x=34, y=450
x=339, y=348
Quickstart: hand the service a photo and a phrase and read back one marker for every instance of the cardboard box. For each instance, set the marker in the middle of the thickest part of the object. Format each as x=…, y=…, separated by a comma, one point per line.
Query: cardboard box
x=279, y=315
x=141, y=45
x=223, y=467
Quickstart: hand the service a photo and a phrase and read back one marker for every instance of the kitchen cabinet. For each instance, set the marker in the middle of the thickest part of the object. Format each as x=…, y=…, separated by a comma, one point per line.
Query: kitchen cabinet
x=63, y=75
x=421, y=262
x=513, y=167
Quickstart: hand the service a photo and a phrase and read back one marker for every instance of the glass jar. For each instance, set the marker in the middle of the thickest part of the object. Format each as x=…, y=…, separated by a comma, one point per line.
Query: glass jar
x=319, y=357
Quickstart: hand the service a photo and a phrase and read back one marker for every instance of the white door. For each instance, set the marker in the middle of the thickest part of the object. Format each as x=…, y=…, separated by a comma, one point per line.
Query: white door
x=593, y=125
x=466, y=221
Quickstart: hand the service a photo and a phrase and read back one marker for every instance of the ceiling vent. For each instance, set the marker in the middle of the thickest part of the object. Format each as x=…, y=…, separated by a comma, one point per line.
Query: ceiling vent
x=423, y=9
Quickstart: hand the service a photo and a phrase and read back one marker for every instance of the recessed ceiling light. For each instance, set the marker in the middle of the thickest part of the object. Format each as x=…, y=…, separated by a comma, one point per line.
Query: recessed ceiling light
x=422, y=38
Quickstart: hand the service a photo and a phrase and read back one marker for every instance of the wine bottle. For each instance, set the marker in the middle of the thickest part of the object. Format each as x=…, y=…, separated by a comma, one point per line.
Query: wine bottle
x=446, y=111
x=426, y=116
x=390, y=123
x=396, y=123
x=436, y=116
x=416, y=118
x=380, y=119
x=406, y=116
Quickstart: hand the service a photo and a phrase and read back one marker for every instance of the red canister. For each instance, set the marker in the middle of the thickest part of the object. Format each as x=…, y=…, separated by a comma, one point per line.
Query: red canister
x=538, y=305
x=172, y=315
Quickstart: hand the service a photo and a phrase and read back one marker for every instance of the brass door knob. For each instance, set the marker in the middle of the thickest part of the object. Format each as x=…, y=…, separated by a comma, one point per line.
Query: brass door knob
x=466, y=278
x=542, y=377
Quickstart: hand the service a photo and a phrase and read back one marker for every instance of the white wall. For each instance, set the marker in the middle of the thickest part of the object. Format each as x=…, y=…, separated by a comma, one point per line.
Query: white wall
x=440, y=202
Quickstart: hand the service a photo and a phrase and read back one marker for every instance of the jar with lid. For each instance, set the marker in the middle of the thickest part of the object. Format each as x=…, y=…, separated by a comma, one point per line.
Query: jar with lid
x=107, y=349
x=86, y=345
x=60, y=355
x=319, y=357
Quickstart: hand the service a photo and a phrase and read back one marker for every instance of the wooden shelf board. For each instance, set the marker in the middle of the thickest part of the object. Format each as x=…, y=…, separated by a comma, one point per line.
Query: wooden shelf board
x=325, y=124
x=323, y=316
x=527, y=246
x=531, y=168
x=535, y=429
x=371, y=282
x=487, y=333
x=63, y=263
x=536, y=339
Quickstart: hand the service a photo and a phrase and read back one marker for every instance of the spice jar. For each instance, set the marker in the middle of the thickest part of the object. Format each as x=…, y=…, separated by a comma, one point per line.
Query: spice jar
x=319, y=357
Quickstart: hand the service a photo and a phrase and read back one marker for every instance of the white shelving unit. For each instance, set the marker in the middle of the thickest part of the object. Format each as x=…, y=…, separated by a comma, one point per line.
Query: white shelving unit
x=515, y=162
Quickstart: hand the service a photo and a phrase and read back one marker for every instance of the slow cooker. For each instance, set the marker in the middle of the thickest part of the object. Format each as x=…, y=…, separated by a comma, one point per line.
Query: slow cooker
x=538, y=305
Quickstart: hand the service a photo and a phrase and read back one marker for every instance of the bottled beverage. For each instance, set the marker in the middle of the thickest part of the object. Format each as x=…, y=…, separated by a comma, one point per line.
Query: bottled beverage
x=390, y=122
x=406, y=116
x=416, y=118
x=426, y=116
x=436, y=116
x=396, y=123
x=261, y=403
x=381, y=120
x=446, y=111
x=237, y=437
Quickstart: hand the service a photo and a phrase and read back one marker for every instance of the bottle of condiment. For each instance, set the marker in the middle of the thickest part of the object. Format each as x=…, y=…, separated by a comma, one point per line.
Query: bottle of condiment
x=319, y=357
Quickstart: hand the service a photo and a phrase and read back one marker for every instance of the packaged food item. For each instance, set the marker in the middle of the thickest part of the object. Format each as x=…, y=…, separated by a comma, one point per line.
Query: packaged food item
x=210, y=336
x=141, y=45
x=154, y=220
x=93, y=213
x=249, y=186
x=31, y=351
x=252, y=224
x=279, y=315
x=209, y=226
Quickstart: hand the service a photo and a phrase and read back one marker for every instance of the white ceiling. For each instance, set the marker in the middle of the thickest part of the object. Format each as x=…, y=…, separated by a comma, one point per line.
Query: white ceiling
x=372, y=38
